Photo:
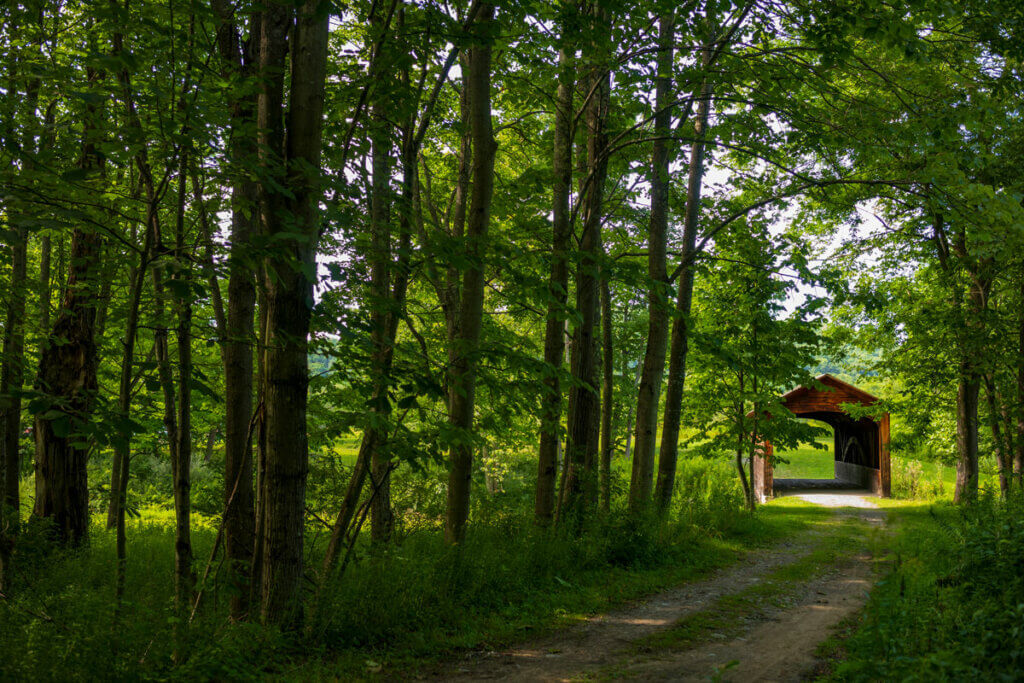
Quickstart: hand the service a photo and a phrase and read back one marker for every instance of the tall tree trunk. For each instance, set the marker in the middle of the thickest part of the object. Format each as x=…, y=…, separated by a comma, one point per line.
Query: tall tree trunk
x=120, y=466
x=239, y=60
x=629, y=415
x=558, y=284
x=291, y=217
x=580, y=480
x=998, y=445
x=67, y=371
x=649, y=394
x=381, y=518
x=679, y=344
x=1018, y=451
x=968, y=389
x=103, y=302
x=181, y=466
x=967, y=435
x=45, y=249
x=462, y=374
x=12, y=376
x=607, y=386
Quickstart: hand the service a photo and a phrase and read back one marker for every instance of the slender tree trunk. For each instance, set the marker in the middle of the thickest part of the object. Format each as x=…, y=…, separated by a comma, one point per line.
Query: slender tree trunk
x=998, y=445
x=290, y=286
x=44, y=289
x=740, y=441
x=679, y=344
x=103, y=302
x=12, y=373
x=967, y=406
x=649, y=393
x=629, y=416
x=1018, y=451
x=607, y=386
x=12, y=376
x=462, y=374
x=558, y=287
x=581, y=452
x=181, y=466
x=122, y=447
x=239, y=60
x=967, y=436
x=381, y=518
x=369, y=445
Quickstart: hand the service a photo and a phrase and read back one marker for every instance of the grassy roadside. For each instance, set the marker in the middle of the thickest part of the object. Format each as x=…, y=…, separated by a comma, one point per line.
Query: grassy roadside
x=952, y=603
x=394, y=612
x=564, y=604
x=833, y=536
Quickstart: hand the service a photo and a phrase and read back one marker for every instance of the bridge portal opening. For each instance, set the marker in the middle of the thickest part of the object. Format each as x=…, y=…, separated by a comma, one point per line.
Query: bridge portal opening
x=860, y=446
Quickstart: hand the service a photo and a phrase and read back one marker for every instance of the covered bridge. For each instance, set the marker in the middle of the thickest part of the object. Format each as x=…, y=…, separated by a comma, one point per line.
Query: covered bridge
x=861, y=449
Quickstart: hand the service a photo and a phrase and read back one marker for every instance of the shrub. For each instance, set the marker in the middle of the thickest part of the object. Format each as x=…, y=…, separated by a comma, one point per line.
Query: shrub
x=953, y=607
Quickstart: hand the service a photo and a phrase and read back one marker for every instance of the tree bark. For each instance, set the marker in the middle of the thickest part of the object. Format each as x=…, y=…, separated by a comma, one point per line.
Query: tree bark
x=239, y=61
x=679, y=344
x=120, y=466
x=381, y=517
x=462, y=373
x=1018, y=451
x=181, y=466
x=558, y=286
x=968, y=389
x=12, y=376
x=629, y=416
x=580, y=481
x=291, y=218
x=67, y=371
x=607, y=396
x=649, y=393
x=1002, y=454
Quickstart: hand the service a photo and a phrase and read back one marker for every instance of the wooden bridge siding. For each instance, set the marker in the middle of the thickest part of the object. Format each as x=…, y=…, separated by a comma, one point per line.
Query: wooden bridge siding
x=884, y=466
x=822, y=401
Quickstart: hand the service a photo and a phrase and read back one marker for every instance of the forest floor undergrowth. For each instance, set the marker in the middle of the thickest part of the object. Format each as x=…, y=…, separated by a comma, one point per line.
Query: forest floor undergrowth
x=763, y=618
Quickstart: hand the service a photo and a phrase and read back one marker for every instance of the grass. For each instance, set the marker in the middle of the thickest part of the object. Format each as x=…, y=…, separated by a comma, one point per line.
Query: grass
x=950, y=604
x=911, y=478
x=829, y=537
x=806, y=462
x=416, y=603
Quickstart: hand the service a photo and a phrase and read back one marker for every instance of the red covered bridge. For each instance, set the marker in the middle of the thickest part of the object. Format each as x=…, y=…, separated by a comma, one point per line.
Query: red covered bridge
x=861, y=448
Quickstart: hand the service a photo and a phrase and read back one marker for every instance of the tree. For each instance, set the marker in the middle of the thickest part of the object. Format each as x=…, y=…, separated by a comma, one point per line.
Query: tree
x=290, y=142
x=462, y=373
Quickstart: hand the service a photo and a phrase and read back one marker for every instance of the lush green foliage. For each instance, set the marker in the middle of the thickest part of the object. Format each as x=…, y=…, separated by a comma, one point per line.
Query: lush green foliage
x=420, y=598
x=951, y=608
